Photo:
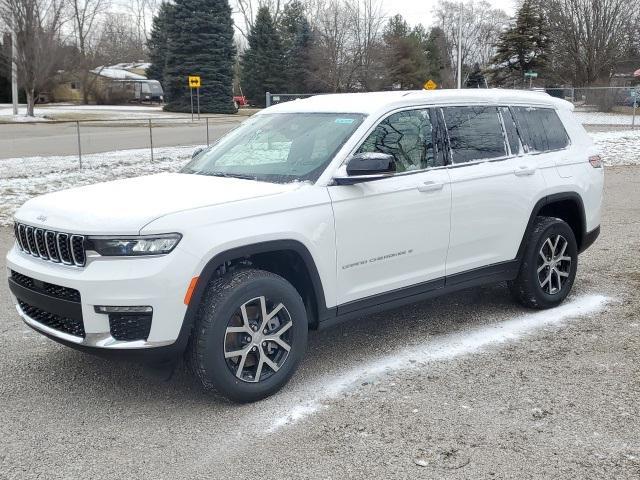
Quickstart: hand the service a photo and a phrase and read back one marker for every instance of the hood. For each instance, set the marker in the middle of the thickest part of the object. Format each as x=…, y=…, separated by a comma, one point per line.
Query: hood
x=123, y=207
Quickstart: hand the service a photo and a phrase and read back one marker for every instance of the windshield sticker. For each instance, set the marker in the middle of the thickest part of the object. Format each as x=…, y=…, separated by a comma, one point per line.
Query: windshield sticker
x=344, y=121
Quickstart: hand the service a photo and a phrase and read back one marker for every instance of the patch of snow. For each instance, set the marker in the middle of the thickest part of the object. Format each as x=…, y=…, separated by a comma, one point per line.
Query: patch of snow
x=25, y=178
x=444, y=348
x=599, y=118
x=618, y=147
x=8, y=116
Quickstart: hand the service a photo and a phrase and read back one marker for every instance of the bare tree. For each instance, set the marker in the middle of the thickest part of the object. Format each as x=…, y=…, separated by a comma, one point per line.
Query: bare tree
x=249, y=8
x=85, y=15
x=368, y=22
x=142, y=12
x=481, y=27
x=119, y=40
x=594, y=34
x=37, y=24
x=332, y=58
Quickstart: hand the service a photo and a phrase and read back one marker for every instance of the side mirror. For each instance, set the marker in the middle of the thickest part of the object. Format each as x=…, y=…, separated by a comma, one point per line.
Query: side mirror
x=197, y=152
x=364, y=167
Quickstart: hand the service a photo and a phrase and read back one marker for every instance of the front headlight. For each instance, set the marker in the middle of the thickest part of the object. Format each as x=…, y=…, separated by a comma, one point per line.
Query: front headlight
x=134, y=246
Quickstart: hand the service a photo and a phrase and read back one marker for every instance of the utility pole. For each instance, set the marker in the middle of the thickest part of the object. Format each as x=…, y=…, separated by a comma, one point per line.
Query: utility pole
x=14, y=72
x=460, y=47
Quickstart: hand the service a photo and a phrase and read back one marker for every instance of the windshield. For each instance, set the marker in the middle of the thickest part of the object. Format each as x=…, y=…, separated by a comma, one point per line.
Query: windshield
x=278, y=147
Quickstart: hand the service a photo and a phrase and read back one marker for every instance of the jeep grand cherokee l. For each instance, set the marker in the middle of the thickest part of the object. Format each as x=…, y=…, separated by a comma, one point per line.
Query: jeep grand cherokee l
x=310, y=213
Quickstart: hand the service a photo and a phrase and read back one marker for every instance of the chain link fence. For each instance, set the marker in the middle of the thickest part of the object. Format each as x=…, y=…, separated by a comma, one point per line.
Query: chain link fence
x=615, y=107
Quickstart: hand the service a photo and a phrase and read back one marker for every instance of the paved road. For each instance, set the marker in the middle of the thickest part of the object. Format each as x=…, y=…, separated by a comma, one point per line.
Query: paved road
x=42, y=139
x=474, y=399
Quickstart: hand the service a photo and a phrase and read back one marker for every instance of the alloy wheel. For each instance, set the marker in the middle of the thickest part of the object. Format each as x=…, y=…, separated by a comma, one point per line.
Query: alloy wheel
x=554, y=266
x=258, y=339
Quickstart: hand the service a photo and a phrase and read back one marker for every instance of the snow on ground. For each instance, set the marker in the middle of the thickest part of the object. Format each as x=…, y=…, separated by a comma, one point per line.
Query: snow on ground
x=599, y=118
x=50, y=111
x=619, y=147
x=445, y=348
x=24, y=178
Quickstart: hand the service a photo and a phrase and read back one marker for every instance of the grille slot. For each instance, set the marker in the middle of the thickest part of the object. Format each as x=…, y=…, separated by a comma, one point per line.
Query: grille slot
x=40, y=245
x=63, y=324
x=31, y=242
x=57, y=291
x=58, y=247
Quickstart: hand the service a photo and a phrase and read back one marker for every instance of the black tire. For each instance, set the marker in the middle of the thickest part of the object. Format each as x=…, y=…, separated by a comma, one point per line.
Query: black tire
x=526, y=288
x=206, y=350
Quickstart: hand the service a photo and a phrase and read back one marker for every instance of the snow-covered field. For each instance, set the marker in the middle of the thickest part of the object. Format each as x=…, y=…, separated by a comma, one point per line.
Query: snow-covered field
x=24, y=178
x=53, y=111
x=599, y=118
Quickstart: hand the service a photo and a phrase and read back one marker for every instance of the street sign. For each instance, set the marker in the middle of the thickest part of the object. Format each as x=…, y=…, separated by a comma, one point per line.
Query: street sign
x=194, y=84
x=531, y=74
x=430, y=85
x=194, y=81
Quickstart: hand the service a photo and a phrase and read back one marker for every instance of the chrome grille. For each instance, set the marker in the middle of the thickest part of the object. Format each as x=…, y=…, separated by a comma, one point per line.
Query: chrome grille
x=58, y=247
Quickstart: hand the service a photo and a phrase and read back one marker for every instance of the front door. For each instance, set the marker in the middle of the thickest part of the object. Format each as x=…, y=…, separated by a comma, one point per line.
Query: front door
x=394, y=233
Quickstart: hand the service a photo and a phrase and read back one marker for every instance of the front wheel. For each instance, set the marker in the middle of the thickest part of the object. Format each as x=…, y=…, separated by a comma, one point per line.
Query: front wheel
x=250, y=335
x=548, y=266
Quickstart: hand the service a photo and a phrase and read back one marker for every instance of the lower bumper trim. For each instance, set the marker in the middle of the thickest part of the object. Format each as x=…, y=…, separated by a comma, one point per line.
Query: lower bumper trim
x=91, y=340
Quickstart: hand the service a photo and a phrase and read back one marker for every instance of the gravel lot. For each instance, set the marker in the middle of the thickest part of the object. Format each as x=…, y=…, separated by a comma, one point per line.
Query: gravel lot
x=488, y=390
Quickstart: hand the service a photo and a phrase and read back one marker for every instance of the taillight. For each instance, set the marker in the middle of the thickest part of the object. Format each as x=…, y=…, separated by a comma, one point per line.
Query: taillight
x=595, y=161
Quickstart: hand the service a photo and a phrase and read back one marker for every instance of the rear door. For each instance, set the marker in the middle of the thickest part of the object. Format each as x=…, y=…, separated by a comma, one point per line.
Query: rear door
x=493, y=183
x=394, y=233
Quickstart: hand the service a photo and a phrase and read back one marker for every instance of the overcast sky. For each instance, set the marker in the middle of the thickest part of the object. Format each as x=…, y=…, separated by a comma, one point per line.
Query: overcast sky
x=421, y=11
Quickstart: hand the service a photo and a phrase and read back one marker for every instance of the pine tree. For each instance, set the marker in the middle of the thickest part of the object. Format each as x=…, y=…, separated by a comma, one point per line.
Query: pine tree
x=295, y=31
x=523, y=47
x=405, y=59
x=263, y=66
x=200, y=42
x=476, y=78
x=438, y=67
x=157, y=43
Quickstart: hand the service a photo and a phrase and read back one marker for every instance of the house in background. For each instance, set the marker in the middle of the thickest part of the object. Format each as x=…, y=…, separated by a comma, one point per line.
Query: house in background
x=109, y=85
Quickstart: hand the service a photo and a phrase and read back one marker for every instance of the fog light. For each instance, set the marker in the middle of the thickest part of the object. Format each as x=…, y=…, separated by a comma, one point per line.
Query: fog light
x=135, y=309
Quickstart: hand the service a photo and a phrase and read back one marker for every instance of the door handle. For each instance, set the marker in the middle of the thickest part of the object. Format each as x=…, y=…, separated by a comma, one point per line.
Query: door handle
x=430, y=186
x=524, y=170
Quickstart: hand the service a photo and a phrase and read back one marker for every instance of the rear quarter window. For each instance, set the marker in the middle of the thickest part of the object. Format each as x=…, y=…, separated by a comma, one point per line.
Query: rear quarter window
x=541, y=129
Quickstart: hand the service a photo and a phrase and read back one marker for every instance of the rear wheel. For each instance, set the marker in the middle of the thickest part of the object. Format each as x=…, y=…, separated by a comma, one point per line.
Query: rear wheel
x=250, y=335
x=548, y=266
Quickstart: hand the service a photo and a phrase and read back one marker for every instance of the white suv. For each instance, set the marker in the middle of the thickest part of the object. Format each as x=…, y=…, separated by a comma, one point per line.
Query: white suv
x=310, y=213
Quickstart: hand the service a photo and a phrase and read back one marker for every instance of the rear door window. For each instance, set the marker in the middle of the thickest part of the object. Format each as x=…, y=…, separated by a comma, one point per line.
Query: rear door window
x=475, y=133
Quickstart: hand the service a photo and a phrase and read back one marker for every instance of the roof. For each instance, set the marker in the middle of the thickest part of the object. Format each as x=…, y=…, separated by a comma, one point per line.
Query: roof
x=117, y=73
x=371, y=102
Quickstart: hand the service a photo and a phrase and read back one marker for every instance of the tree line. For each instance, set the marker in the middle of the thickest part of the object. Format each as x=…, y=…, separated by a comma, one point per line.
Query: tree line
x=249, y=47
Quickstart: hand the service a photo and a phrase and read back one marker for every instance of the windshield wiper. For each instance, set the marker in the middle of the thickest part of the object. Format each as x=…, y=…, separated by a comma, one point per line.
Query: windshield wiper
x=230, y=175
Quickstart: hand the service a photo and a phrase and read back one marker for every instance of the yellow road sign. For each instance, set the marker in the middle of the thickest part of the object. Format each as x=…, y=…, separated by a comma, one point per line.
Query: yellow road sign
x=194, y=81
x=430, y=85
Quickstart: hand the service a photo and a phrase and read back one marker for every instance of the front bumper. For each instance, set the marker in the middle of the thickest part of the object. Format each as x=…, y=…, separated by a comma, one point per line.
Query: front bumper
x=159, y=282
